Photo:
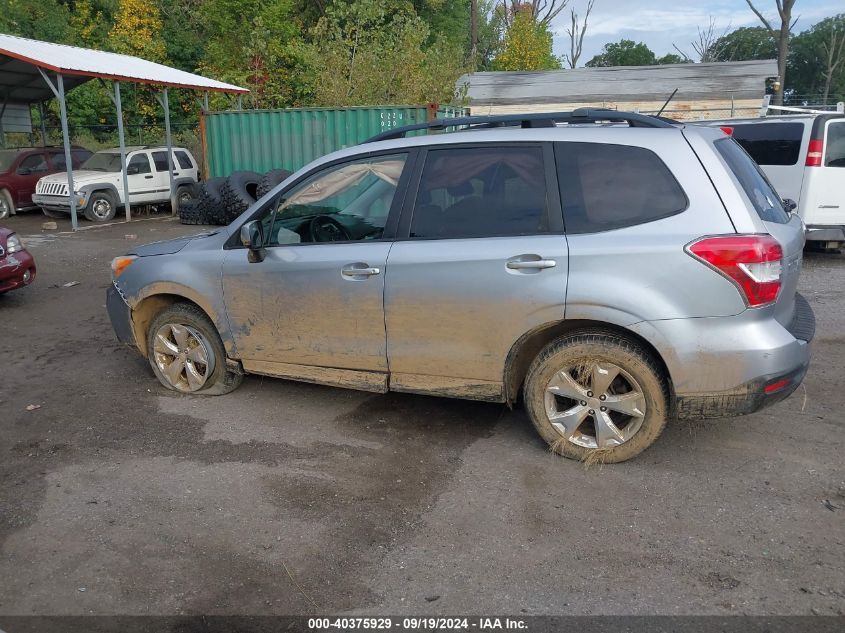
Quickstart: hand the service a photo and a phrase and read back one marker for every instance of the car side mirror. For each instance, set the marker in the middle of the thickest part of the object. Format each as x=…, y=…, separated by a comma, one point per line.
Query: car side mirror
x=24, y=171
x=252, y=236
x=790, y=205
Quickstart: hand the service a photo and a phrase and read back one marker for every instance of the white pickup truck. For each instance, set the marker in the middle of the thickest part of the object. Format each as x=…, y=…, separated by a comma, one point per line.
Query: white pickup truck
x=98, y=184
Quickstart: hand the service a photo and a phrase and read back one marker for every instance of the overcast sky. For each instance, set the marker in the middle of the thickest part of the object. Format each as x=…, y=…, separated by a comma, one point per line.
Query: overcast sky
x=660, y=23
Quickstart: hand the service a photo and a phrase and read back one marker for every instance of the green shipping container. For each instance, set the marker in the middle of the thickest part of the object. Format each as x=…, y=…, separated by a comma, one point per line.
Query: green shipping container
x=261, y=140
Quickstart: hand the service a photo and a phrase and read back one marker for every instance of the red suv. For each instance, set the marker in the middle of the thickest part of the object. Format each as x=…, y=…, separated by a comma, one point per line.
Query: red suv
x=21, y=168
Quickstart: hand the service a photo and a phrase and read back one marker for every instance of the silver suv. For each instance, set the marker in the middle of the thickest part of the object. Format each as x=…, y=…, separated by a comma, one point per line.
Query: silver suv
x=616, y=270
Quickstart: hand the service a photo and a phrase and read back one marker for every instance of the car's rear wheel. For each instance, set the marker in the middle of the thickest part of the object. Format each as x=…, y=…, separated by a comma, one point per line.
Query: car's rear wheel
x=596, y=396
x=101, y=207
x=6, y=204
x=186, y=353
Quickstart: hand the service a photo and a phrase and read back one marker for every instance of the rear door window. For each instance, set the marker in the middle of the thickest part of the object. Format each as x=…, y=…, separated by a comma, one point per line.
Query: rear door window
x=184, y=160
x=759, y=190
x=605, y=186
x=138, y=164
x=834, y=148
x=481, y=192
x=771, y=143
x=160, y=160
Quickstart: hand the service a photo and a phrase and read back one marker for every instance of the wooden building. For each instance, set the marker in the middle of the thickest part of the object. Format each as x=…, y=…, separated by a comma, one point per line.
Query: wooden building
x=713, y=90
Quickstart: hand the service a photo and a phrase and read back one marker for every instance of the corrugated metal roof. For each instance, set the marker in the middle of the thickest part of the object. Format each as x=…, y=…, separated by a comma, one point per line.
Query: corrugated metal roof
x=21, y=82
x=718, y=80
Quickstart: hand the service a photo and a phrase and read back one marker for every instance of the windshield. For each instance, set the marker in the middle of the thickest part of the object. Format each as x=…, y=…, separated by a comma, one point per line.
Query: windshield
x=7, y=157
x=103, y=161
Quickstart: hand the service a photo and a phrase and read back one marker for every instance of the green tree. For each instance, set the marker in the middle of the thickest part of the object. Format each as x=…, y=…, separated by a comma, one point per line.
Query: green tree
x=623, y=53
x=42, y=20
x=817, y=62
x=527, y=44
x=672, y=58
x=367, y=53
x=748, y=42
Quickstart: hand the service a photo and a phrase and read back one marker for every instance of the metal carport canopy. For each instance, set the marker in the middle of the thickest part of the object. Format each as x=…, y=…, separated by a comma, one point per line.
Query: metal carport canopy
x=24, y=64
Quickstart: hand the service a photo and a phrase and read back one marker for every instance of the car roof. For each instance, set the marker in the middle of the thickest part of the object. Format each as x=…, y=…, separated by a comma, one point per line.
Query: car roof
x=139, y=148
x=612, y=134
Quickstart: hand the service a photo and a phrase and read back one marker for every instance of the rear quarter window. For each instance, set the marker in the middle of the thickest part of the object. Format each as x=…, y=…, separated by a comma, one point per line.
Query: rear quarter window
x=605, y=187
x=754, y=183
x=834, y=151
x=771, y=143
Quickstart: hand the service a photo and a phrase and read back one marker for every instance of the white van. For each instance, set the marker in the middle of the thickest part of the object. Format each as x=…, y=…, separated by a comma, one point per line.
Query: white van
x=803, y=156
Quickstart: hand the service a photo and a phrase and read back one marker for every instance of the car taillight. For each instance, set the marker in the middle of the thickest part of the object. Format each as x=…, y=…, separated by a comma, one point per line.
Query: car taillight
x=727, y=130
x=751, y=262
x=815, y=151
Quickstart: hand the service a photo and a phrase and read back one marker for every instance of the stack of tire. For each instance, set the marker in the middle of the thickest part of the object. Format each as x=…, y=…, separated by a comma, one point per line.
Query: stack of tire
x=221, y=200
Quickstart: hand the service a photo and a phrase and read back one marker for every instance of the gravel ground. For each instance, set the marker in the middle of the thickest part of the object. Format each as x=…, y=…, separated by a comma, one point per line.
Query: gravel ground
x=119, y=497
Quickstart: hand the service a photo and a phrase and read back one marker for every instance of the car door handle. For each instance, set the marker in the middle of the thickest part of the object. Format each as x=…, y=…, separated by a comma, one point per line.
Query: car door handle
x=538, y=264
x=359, y=271
x=148, y=177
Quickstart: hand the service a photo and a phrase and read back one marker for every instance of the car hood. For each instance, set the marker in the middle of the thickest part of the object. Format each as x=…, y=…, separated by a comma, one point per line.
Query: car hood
x=81, y=177
x=168, y=247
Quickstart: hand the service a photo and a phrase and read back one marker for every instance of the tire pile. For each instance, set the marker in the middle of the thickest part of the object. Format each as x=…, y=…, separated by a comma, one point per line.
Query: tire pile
x=220, y=200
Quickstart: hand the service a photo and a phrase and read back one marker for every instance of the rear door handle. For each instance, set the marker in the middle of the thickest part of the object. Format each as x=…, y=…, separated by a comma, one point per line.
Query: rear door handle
x=359, y=271
x=539, y=264
x=148, y=177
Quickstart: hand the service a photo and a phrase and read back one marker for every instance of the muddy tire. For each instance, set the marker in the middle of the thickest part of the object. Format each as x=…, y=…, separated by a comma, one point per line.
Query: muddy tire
x=210, y=201
x=597, y=397
x=7, y=207
x=101, y=207
x=191, y=213
x=239, y=193
x=186, y=353
x=270, y=180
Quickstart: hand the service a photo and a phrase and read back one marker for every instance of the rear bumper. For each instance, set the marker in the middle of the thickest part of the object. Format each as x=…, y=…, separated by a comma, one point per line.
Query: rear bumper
x=728, y=366
x=120, y=315
x=826, y=233
x=16, y=271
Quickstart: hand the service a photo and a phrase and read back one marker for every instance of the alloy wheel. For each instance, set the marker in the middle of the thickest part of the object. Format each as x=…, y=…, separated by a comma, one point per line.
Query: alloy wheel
x=595, y=404
x=183, y=356
x=101, y=209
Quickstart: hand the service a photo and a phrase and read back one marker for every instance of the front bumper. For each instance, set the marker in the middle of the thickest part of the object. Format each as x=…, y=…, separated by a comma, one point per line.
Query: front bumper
x=120, y=315
x=16, y=270
x=59, y=203
x=729, y=366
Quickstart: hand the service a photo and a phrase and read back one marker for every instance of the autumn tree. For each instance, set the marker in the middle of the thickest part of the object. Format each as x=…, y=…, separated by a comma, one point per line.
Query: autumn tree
x=527, y=44
x=781, y=35
x=137, y=30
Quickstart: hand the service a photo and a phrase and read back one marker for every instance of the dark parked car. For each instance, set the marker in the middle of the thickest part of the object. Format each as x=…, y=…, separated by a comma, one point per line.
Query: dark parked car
x=21, y=168
x=17, y=266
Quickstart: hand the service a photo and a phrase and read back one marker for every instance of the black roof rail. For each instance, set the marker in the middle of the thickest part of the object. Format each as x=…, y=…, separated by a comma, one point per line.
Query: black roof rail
x=533, y=120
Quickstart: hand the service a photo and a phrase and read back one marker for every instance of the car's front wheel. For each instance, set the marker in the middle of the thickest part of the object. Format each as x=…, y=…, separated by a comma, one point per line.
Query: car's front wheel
x=596, y=396
x=186, y=353
x=101, y=207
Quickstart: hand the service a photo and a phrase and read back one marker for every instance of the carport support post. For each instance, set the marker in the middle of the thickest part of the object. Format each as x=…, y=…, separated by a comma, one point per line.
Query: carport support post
x=68, y=157
x=169, y=142
x=117, y=104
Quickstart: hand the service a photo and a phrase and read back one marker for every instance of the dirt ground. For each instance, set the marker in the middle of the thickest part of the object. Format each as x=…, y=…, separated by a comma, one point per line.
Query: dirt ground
x=119, y=497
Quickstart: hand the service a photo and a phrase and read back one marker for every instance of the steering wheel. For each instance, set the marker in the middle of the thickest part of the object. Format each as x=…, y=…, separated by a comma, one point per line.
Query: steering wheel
x=324, y=228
